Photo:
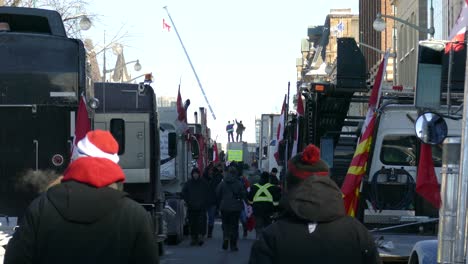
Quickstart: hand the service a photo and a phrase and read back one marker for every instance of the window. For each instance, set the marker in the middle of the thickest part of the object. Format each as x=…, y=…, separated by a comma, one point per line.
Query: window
x=117, y=129
x=399, y=150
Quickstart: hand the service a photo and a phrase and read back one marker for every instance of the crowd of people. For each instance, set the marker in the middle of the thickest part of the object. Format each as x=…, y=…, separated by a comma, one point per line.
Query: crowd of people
x=296, y=220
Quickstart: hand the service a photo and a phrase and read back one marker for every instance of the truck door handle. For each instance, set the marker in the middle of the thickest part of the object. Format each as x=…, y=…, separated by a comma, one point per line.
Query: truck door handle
x=36, y=143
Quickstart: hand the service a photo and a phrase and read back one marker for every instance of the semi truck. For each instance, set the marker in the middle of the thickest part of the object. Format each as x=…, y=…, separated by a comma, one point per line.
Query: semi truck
x=129, y=112
x=193, y=150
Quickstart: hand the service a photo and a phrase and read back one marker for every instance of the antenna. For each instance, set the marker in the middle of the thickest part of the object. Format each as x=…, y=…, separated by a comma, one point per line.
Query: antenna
x=191, y=65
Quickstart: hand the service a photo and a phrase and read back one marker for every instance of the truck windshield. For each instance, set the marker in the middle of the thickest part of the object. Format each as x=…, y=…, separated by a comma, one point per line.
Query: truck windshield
x=402, y=150
x=38, y=69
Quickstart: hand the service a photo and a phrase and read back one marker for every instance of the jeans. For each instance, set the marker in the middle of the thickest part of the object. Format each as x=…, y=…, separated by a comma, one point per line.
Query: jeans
x=211, y=211
x=230, y=136
x=230, y=225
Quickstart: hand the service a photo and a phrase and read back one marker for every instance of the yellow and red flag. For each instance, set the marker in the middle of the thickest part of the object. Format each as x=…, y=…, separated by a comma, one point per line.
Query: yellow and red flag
x=352, y=183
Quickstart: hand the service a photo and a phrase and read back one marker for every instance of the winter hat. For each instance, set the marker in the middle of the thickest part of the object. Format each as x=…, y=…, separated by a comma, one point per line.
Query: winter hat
x=98, y=144
x=194, y=170
x=94, y=160
x=306, y=164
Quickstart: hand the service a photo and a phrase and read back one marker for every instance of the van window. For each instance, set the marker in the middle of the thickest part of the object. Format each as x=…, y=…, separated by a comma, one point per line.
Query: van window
x=117, y=129
x=399, y=150
x=403, y=150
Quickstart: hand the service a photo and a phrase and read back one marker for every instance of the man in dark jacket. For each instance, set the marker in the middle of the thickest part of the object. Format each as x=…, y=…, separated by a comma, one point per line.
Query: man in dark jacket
x=315, y=228
x=86, y=219
x=231, y=193
x=213, y=177
x=195, y=193
x=264, y=198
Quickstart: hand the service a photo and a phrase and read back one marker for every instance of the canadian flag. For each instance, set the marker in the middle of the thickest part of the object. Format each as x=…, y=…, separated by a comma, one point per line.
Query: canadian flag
x=280, y=131
x=299, y=113
x=181, y=115
x=82, y=123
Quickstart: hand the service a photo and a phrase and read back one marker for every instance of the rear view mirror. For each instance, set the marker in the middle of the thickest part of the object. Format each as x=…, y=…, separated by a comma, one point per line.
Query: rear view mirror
x=431, y=128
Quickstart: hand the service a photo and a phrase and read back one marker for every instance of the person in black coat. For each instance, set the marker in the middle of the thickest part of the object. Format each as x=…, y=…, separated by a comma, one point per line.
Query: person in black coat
x=86, y=218
x=264, y=198
x=213, y=177
x=196, y=193
x=315, y=228
x=231, y=193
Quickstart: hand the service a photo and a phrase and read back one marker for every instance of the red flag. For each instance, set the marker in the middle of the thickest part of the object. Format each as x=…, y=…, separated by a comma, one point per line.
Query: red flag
x=215, y=153
x=82, y=123
x=181, y=114
x=166, y=25
x=280, y=130
x=426, y=181
x=357, y=169
x=299, y=113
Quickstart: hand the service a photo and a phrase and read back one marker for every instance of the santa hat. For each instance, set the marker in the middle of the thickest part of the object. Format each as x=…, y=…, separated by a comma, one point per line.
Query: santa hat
x=98, y=144
x=94, y=160
x=306, y=164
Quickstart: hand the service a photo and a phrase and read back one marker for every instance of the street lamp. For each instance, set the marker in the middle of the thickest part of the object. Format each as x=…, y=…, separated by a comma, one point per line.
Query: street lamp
x=380, y=25
x=85, y=23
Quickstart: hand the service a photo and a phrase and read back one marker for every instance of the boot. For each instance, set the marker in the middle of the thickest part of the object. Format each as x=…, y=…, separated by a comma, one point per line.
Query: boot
x=200, y=241
x=234, y=245
x=225, y=244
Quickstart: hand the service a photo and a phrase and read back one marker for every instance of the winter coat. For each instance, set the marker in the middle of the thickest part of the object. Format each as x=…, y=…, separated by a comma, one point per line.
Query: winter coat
x=196, y=193
x=264, y=208
x=315, y=230
x=231, y=193
x=213, y=183
x=76, y=223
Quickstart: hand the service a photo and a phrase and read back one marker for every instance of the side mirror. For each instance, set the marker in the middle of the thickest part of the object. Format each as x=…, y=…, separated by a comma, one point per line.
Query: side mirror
x=431, y=128
x=195, y=148
x=172, y=144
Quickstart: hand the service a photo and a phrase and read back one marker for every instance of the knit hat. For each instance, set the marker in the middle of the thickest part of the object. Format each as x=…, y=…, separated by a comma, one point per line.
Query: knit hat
x=306, y=164
x=99, y=144
x=94, y=160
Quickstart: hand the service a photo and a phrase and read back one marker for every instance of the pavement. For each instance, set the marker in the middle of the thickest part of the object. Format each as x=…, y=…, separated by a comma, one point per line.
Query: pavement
x=210, y=252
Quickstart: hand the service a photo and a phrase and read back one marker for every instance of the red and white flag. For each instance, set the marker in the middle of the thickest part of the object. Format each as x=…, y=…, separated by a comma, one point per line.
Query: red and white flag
x=82, y=123
x=280, y=130
x=181, y=121
x=215, y=153
x=299, y=113
x=166, y=26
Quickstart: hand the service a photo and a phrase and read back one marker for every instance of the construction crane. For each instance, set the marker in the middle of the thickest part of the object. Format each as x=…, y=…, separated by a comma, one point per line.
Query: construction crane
x=191, y=64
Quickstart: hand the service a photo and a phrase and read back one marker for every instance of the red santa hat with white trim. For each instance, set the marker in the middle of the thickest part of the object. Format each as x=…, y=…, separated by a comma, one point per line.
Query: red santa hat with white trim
x=94, y=160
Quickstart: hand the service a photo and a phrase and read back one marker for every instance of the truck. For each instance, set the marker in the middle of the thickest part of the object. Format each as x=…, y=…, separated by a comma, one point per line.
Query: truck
x=129, y=112
x=388, y=202
x=268, y=141
x=42, y=75
x=193, y=147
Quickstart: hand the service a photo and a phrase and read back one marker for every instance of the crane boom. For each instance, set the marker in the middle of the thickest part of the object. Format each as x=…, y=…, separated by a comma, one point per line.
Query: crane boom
x=191, y=64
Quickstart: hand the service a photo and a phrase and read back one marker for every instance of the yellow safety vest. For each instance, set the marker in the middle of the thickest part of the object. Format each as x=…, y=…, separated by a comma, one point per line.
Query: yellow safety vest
x=263, y=195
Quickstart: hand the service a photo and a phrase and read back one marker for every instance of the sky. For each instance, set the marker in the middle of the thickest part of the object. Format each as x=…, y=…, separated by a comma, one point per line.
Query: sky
x=244, y=52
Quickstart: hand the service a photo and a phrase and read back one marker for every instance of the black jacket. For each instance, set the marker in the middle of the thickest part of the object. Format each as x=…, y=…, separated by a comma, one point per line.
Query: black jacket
x=315, y=229
x=196, y=194
x=264, y=208
x=231, y=193
x=77, y=223
x=213, y=182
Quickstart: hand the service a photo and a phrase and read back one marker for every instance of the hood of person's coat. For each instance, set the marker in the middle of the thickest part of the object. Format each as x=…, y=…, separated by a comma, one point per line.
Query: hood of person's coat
x=82, y=203
x=230, y=178
x=316, y=199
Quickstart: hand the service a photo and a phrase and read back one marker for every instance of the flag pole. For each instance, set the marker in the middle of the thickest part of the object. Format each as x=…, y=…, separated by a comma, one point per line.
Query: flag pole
x=287, y=140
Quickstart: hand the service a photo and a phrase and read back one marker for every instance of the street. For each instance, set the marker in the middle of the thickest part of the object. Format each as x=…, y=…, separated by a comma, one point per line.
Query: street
x=211, y=251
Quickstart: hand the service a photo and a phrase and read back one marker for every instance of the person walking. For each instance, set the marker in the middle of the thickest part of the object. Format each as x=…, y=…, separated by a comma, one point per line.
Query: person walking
x=231, y=194
x=315, y=227
x=195, y=193
x=86, y=218
x=213, y=177
x=239, y=130
x=264, y=198
x=230, y=131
